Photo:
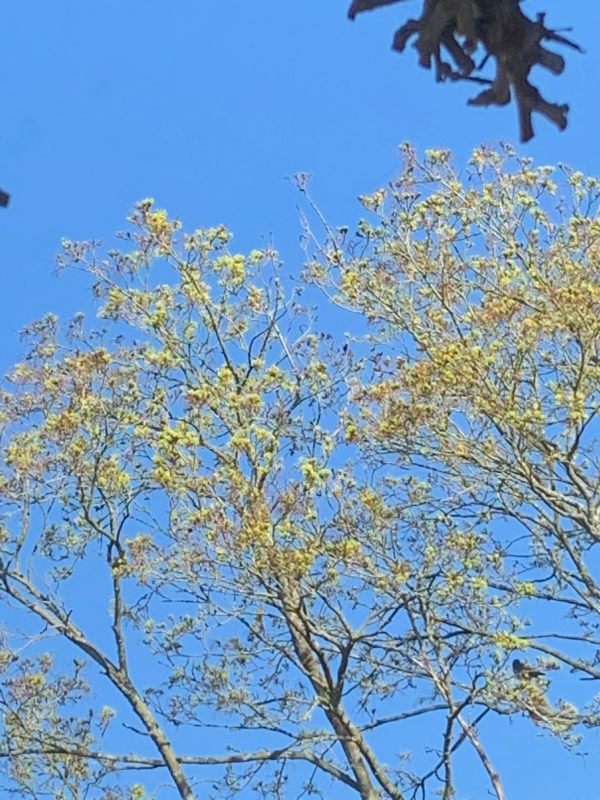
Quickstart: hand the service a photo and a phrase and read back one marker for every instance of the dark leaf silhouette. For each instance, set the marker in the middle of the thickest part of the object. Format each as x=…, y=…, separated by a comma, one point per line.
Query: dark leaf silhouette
x=456, y=29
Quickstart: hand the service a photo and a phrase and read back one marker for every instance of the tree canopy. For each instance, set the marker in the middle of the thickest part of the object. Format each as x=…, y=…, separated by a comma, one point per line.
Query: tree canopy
x=225, y=522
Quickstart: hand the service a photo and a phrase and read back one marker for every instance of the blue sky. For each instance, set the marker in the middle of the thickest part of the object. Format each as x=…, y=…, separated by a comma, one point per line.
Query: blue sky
x=208, y=107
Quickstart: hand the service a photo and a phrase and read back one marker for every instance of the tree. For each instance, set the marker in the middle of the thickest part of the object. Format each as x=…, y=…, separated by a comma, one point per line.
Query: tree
x=512, y=40
x=220, y=518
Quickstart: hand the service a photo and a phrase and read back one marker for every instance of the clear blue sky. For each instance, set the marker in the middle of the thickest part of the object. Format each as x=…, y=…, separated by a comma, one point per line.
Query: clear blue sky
x=208, y=105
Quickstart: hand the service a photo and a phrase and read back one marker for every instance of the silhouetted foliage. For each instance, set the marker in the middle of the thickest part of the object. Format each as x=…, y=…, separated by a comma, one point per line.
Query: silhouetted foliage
x=459, y=28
